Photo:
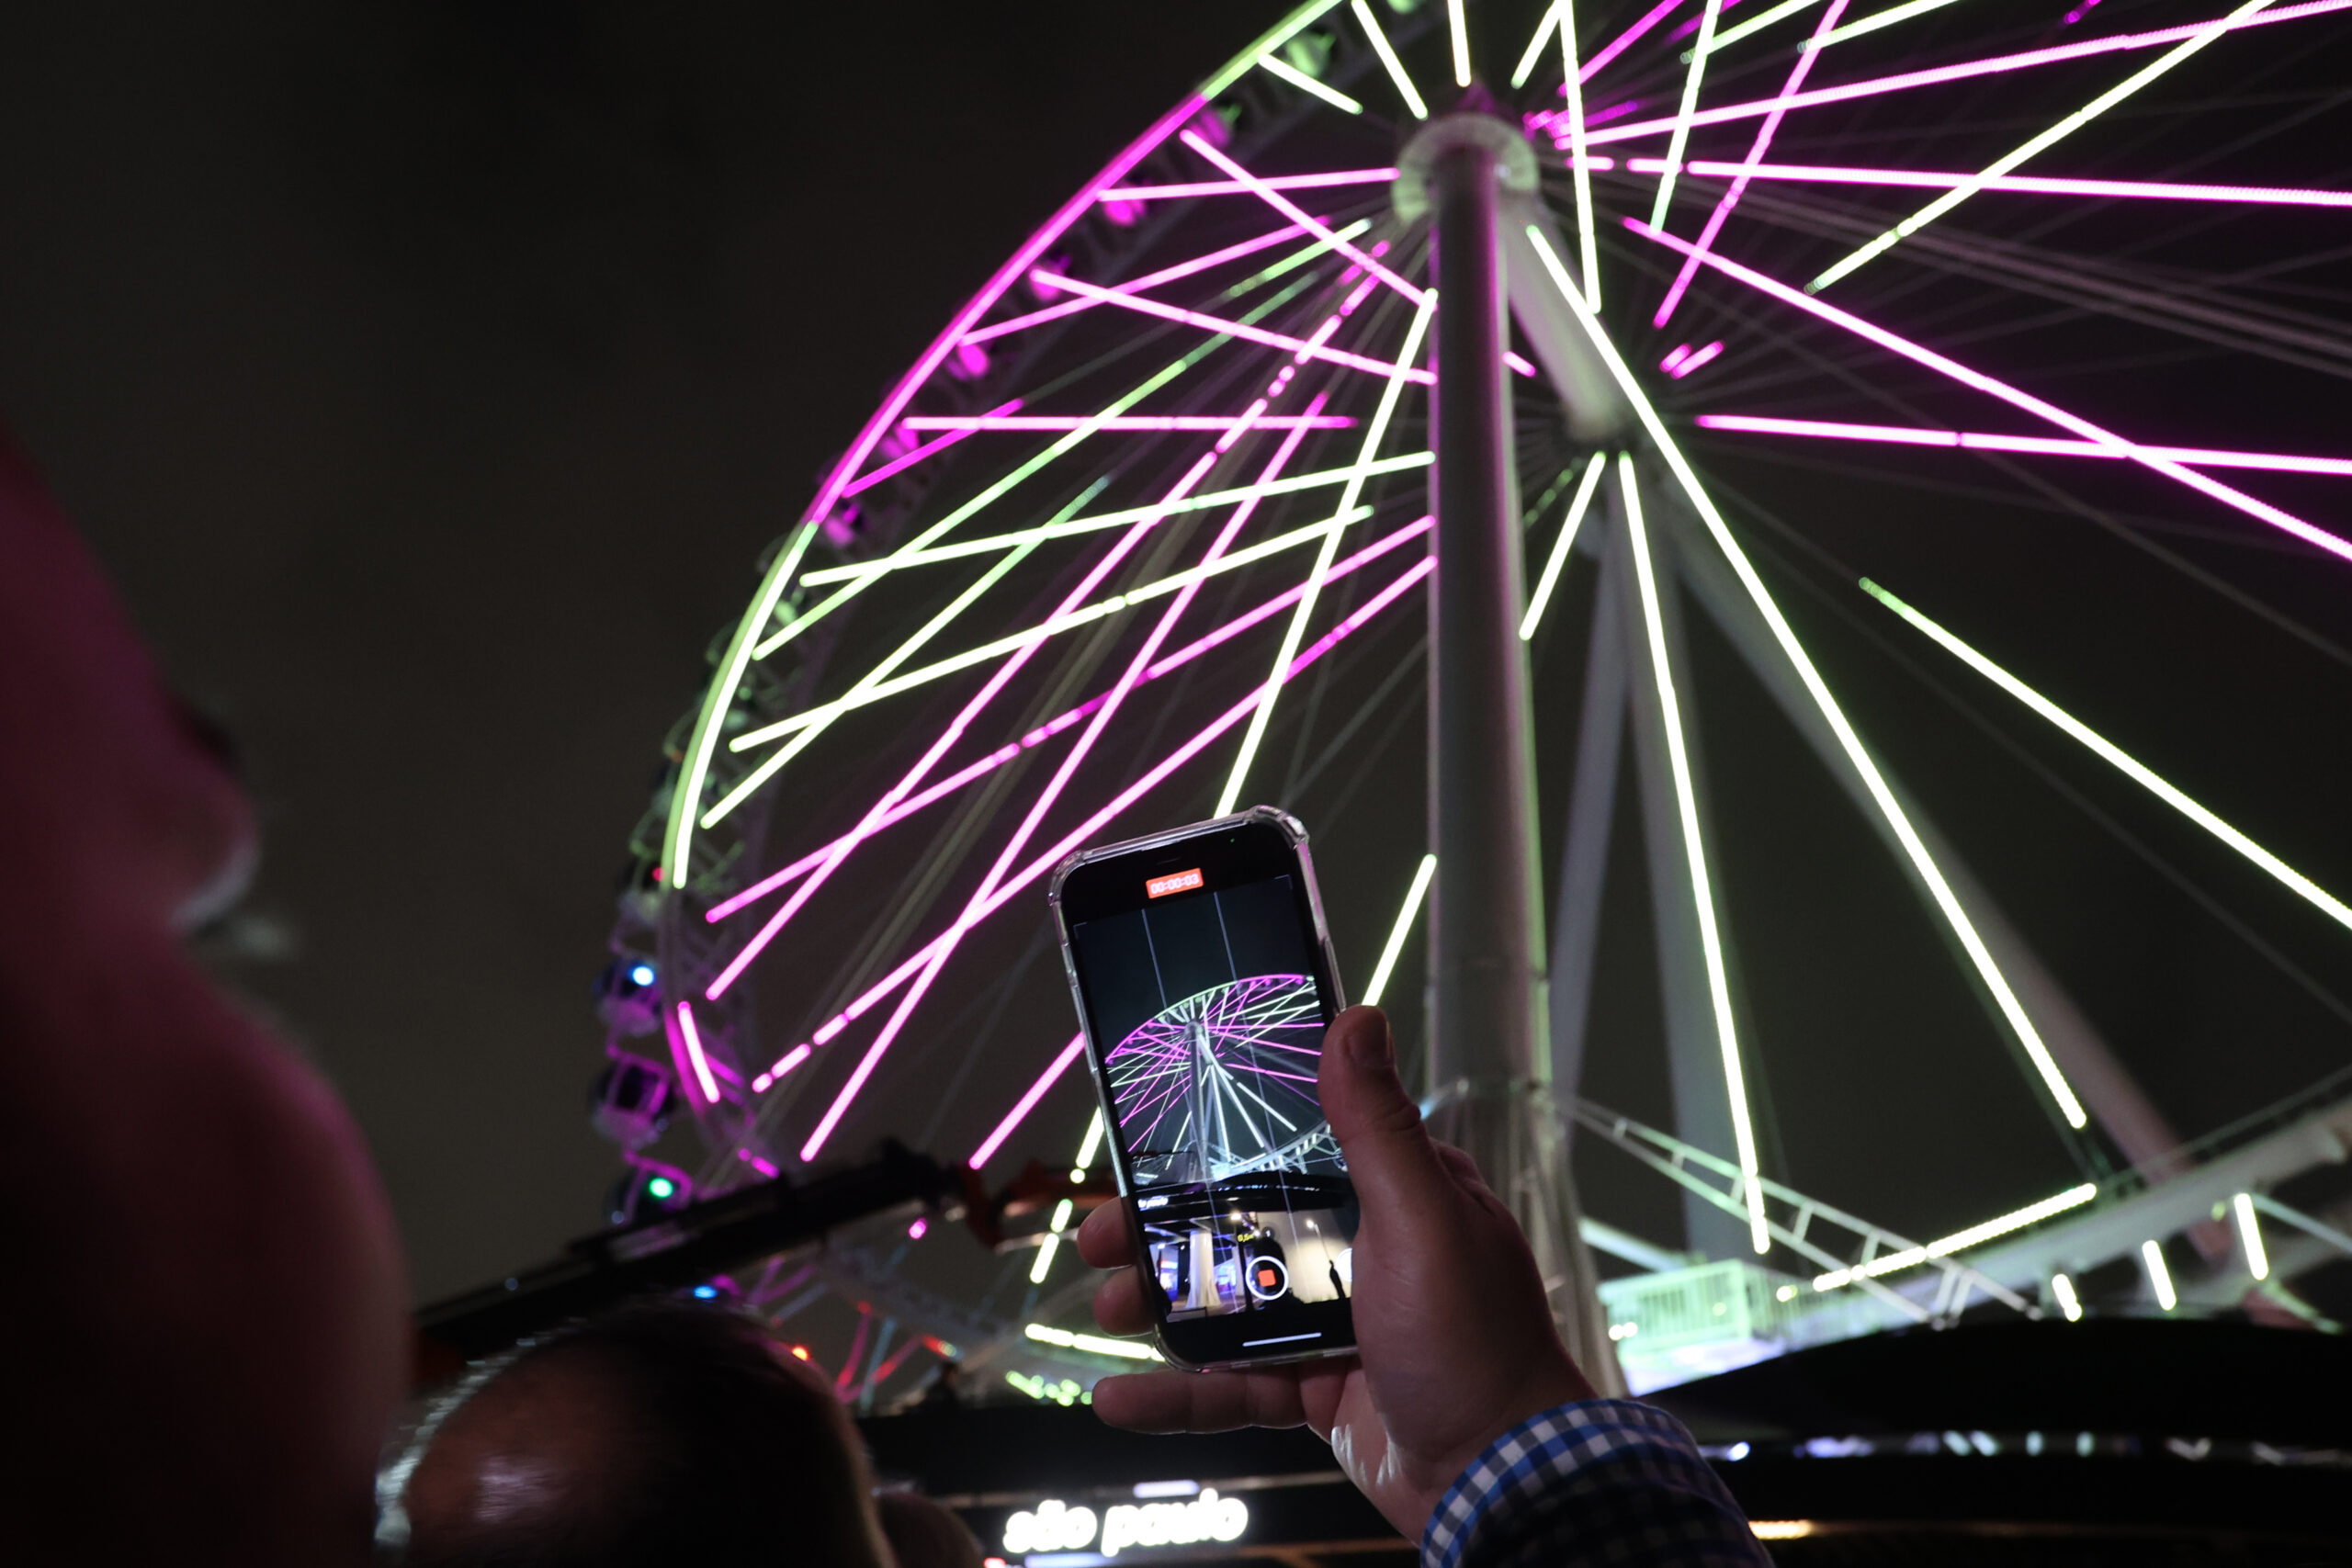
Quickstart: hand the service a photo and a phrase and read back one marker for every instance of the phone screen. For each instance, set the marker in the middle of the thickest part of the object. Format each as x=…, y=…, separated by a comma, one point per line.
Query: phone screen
x=1205, y=988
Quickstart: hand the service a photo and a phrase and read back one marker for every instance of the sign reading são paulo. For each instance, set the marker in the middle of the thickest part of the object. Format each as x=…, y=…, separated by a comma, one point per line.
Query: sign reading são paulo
x=1057, y=1527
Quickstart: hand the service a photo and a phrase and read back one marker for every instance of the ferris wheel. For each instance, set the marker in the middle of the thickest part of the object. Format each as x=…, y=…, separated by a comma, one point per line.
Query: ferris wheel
x=1823, y=311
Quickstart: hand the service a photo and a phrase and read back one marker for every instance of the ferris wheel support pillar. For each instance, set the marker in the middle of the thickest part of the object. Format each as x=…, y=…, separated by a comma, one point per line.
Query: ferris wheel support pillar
x=1490, y=1059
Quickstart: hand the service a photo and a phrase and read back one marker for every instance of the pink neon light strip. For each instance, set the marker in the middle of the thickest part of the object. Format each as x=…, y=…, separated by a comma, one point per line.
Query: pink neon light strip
x=909, y=459
x=1687, y=363
x=1674, y=357
x=1149, y=280
x=1730, y=199
x=1235, y=188
x=693, y=1038
x=1153, y=421
x=1054, y=727
x=2035, y=185
x=1027, y=1102
x=2040, y=445
x=1624, y=40
x=1142, y=786
x=2262, y=510
x=1062, y=775
x=1305, y=346
x=888, y=1033
x=1291, y=211
x=1015, y=265
x=1964, y=70
x=784, y=1064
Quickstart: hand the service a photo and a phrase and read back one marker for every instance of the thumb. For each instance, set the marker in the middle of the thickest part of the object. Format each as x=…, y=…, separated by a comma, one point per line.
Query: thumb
x=1391, y=1160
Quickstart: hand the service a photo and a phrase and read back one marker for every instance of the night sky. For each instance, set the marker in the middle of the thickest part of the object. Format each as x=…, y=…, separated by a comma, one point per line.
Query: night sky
x=431, y=377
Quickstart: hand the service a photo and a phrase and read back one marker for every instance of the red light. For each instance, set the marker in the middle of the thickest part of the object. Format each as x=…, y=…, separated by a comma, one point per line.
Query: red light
x=1174, y=882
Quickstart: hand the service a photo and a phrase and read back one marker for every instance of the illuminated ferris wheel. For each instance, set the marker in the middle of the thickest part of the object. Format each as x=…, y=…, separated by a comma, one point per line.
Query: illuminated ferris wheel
x=1222, y=1084
x=1812, y=326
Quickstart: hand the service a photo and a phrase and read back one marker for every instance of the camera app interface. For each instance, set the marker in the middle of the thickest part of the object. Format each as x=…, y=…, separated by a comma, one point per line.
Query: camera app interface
x=1204, y=1004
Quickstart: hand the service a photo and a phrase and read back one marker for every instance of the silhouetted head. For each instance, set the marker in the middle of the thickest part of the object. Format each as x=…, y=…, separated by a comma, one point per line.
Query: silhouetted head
x=925, y=1534
x=663, y=1432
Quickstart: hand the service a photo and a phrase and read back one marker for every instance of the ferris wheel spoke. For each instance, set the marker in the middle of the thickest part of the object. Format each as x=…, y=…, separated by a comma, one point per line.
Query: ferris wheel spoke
x=1961, y=71
x=2107, y=752
x=1810, y=53
x=1627, y=39
x=1261, y=705
x=2262, y=510
x=1680, y=135
x=1388, y=61
x=1304, y=346
x=1296, y=214
x=2031, y=184
x=2041, y=445
x=1898, y=822
x=900, y=464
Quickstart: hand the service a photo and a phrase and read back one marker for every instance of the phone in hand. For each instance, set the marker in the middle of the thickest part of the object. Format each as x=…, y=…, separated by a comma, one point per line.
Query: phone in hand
x=1204, y=981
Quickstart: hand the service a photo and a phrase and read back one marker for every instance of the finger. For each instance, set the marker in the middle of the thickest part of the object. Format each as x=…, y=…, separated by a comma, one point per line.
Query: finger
x=1391, y=1160
x=1199, y=1402
x=1103, y=1239
x=1120, y=1306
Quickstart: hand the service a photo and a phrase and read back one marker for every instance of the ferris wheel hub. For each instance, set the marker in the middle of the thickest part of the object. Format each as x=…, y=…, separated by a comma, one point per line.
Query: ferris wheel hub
x=1484, y=130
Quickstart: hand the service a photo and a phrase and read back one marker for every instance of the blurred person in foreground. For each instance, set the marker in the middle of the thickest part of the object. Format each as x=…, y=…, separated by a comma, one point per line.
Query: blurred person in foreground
x=1462, y=1417
x=664, y=1432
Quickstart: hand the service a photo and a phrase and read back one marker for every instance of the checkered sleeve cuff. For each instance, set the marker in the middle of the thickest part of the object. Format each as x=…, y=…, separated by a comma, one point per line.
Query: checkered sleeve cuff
x=1601, y=1480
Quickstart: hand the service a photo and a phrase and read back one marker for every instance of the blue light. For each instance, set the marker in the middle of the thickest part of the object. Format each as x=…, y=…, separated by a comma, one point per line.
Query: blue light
x=706, y=1293
x=642, y=975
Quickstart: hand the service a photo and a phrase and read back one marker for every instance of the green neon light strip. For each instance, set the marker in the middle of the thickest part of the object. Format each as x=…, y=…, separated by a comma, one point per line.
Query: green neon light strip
x=739, y=656
x=1077, y=525
x=1947, y=902
x=1878, y=19
x=1458, y=27
x=1275, y=65
x=2010, y=160
x=1297, y=258
x=2302, y=885
x=1400, y=932
x=1085, y=616
x=1588, y=243
x=1682, y=136
x=1560, y=547
x=875, y=683
x=1282, y=32
x=1526, y=66
x=1730, y=36
x=1686, y=806
x=1296, y=632
x=1387, y=52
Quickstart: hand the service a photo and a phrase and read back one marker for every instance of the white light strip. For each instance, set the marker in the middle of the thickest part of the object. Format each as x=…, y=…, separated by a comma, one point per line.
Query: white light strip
x=1730, y=36
x=1947, y=902
x=1045, y=1248
x=1686, y=806
x=1395, y=67
x=2257, y=1257
x=1878, y=19
x=1072, y=527
x=2068, y=1303
x=1959, y=1241
x=2026, y=148
x=1526, y=66
x=1681, y=137
x=1094, y=1342
x=1296, y=632
x=1459, y=26
x=2159, y=1276
x=2295, y=880
x=1587, y=242
x=1400, y=930
x=1092, y=1143
x=1274, y=65
x=1561, y=546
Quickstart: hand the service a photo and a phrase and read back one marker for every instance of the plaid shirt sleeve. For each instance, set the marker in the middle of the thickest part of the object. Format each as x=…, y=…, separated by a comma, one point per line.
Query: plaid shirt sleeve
x=1601, y=1481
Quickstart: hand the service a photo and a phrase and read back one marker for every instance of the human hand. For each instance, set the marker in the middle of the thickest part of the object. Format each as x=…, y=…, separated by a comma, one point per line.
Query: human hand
x=1454, y=1339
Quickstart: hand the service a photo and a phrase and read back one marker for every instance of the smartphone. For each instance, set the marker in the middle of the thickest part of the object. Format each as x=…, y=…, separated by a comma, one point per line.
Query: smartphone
x=1204, y=980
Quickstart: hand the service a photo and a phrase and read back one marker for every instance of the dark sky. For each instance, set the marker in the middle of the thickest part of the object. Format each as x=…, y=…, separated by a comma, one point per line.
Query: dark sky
x=429, y=377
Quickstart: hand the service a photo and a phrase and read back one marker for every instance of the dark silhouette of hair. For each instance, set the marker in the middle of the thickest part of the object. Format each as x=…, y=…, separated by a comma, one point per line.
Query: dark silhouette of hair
x=661, y=1433
x=925, y=1534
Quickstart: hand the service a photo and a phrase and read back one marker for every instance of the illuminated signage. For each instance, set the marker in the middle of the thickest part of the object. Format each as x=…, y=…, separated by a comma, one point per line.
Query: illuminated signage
x=1174, y=882
x=1057, y=1527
